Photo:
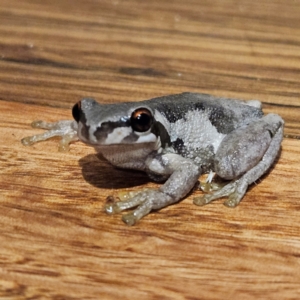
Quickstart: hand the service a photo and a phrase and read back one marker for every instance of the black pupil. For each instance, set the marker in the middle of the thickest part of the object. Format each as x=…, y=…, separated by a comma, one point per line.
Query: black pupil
x=141, y=121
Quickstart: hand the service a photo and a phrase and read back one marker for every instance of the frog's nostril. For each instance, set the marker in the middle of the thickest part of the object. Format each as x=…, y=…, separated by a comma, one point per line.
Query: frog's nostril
x=76, y=111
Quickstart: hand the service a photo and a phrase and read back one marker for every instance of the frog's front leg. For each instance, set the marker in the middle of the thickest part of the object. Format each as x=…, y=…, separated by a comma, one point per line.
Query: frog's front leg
x=66, y=129
x=183, y=176
x=244, y=156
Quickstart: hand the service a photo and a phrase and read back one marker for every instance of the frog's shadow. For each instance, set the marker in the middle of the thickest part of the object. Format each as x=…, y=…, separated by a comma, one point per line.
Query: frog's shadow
x=101, y=174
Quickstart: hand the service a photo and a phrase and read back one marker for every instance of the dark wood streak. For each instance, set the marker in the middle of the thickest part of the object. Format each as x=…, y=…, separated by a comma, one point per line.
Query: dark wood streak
x=41, y=62
x=281, y=105
x=141, y=71
x=292, y=136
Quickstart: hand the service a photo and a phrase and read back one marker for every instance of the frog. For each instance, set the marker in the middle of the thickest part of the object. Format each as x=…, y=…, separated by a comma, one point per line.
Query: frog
x=175, y=139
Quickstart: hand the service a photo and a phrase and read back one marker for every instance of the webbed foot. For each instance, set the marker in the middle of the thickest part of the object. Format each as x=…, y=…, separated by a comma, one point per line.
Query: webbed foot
x=144, y=201
x=234, y=191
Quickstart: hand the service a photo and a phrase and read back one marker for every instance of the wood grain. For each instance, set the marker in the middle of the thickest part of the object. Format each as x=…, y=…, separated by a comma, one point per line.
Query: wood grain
x=56, y=241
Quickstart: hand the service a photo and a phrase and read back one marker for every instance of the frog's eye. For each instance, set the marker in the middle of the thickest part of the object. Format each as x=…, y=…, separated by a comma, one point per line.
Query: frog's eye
x=141, y=120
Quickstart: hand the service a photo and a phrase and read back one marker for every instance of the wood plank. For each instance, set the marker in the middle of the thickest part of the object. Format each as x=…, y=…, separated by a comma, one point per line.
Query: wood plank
x=56, y=241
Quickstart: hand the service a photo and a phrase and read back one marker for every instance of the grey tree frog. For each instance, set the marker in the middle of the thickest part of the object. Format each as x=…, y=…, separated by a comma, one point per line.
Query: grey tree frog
x=175, y=139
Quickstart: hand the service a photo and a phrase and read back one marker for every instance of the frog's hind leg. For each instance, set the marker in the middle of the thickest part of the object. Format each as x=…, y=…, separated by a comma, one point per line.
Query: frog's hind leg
x=258, y=144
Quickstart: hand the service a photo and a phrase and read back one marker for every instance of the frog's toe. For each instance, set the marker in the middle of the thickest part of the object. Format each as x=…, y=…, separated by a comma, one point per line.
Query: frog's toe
x=28, y=141
x=235, y=197
x=66, y=140
x=123, y=196
x=112, y=208
x=211, y=186
x=129, y=219
x=41, y=124
x=232, y=201
x=201, y=200
x=129, y=200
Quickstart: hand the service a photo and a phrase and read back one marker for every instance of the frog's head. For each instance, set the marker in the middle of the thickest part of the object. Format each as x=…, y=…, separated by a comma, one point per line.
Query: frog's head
x=110, y=124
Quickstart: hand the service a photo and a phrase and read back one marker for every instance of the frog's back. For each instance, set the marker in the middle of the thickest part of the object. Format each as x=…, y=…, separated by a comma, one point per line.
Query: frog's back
x=225, y=114
x=197, y=123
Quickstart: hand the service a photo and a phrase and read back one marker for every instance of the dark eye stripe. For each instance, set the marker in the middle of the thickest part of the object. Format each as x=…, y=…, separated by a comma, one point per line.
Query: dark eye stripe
x=106, y=128
x=158, y=129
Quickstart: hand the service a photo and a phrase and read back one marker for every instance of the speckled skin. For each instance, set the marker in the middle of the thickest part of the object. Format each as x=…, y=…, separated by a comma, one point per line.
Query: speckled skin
x=191, y=134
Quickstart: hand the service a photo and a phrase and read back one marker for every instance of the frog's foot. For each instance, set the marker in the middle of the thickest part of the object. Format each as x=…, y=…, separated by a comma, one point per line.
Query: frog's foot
x=65, y=129
x=235, y=191
x=145, y=201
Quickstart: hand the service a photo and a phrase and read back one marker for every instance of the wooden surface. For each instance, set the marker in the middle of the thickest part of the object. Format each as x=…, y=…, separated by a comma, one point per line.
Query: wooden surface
x=56, y=242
